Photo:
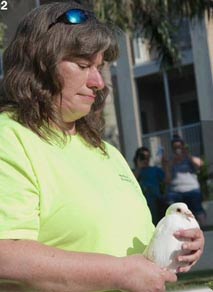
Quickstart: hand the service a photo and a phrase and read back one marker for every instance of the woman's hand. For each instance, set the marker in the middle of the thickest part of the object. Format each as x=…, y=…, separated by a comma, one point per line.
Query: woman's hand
x=194, y=243
x=142, y=275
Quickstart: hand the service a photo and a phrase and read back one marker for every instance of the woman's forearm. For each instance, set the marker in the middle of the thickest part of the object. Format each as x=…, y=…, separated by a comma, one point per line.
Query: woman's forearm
x=44, y=268
x=197, y=162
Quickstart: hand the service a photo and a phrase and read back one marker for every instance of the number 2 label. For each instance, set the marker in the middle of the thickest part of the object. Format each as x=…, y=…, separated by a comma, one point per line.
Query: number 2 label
x=3, y=5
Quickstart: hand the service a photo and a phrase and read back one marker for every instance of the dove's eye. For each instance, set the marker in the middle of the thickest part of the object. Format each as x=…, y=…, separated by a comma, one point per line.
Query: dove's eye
x=179, y=210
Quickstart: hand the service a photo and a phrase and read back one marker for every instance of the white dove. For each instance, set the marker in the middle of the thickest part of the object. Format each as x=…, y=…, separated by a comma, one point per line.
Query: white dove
x=164, y=247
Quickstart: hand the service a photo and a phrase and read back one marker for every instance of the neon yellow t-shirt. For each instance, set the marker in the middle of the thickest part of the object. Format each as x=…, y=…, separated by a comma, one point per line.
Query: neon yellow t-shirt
x=71, y=197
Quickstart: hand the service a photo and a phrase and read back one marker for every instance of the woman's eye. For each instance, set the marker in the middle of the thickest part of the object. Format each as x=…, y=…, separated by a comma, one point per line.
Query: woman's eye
x=83, y=66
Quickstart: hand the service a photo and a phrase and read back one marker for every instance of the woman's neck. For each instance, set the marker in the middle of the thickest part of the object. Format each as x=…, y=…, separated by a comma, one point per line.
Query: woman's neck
x=71, y=129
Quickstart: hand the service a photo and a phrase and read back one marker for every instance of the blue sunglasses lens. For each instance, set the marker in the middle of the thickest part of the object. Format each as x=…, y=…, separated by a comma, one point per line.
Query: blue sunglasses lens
x=73, y=16
x=76, y=16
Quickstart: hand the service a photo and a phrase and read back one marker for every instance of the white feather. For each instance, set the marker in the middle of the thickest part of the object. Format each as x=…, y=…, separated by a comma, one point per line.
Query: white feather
x=164, y=247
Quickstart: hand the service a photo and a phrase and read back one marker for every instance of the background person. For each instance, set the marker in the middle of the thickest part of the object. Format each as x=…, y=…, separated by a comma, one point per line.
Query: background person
x=184, y=185
x=150, y=179
x=70, y=208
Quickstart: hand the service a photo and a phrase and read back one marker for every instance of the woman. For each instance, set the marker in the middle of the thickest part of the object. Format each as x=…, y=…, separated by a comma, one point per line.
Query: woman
x=184, y=185
x=71, y=212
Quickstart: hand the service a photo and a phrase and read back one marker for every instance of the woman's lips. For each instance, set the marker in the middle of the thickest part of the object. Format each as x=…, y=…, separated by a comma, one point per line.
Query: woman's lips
x=89, y=97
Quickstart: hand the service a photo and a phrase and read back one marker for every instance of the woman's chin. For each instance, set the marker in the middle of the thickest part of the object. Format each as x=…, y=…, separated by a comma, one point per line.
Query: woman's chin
x=74, y=117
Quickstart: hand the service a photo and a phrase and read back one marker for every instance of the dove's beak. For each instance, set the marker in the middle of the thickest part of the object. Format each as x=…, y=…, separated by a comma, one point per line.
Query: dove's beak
x=189, y=215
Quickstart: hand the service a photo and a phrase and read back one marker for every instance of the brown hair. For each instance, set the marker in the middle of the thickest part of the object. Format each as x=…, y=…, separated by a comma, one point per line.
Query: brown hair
x=31, y=81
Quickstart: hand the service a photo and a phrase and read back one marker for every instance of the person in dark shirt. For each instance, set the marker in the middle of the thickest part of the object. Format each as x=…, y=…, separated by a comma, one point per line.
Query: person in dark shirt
x=150, y=179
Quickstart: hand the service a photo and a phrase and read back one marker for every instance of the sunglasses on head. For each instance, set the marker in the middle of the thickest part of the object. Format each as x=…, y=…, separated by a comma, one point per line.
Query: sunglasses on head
x=73, y=16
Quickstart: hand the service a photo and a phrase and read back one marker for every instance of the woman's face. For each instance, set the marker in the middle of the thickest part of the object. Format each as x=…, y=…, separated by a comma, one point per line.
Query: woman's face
x=82, y=78
x=177, y=148
x=143, y=159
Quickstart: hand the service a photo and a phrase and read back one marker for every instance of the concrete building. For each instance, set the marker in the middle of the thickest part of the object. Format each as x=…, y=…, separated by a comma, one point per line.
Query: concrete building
x=154, y=104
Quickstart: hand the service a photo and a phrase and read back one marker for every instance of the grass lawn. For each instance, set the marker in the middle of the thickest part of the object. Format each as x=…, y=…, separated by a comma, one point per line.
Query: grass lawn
x=193, y=280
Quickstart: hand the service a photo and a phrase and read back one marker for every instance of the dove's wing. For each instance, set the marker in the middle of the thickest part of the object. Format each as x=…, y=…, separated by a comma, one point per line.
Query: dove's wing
x=163, y=242
x=164, y=247
x=150, y=250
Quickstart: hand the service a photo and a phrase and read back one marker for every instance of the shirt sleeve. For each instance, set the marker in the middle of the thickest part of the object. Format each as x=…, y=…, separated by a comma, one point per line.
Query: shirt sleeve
x=19, y=193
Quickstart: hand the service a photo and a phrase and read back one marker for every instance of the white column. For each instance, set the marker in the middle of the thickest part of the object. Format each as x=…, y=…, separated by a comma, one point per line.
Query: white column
x=111, y=131
x=128, y=102
x=168, y=102
x=203, y=75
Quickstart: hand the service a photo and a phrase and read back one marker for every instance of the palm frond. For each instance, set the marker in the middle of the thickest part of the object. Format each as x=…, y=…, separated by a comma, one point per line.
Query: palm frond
x=156, y=20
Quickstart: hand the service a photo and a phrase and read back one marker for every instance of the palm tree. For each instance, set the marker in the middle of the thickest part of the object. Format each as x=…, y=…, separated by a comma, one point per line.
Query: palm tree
x=157, y=20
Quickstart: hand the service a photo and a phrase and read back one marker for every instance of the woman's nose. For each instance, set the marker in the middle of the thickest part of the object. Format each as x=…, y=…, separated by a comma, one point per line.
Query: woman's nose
x=95, y=79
